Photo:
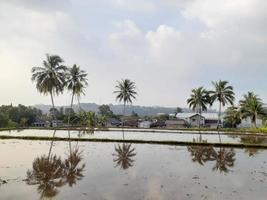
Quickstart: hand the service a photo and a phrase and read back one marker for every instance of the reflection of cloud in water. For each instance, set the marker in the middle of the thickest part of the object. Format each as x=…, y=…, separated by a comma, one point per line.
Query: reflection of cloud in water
x=154, y=188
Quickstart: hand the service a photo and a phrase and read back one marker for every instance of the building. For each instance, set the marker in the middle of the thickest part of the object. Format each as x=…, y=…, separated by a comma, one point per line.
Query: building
x=113, y=122
x=57, y=123
x=205, y=119
x=145, y=124
x=39, y=123
x=246, y=123
x=175, y=123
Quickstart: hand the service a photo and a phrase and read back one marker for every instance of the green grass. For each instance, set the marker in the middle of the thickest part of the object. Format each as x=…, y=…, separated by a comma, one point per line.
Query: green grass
x=8, y=129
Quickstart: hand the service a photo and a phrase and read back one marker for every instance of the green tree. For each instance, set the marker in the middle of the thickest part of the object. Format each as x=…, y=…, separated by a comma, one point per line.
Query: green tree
x=105, y=110
x=3, y=120
x=232, y=117
x=198, y=101
x=50, y=78
x=224, y=94
x=76, y=82
x=126, y=92
x=178, y=110
x=253, y=107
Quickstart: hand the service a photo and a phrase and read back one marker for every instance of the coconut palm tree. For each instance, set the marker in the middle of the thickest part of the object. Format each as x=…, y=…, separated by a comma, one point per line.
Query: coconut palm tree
x=126, y=92
x=253, y=107
x=224, y=94
x=198, y=101
x=50, y=78
x=76, y=82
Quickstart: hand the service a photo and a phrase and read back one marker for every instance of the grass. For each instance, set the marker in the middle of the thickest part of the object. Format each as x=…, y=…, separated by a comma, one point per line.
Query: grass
x=8, y=129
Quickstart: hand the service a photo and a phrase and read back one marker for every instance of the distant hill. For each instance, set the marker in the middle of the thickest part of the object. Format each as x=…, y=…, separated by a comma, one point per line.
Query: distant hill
x=118, y=109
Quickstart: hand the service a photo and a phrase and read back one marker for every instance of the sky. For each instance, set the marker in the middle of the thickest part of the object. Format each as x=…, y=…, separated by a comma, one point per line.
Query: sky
x=167, y=47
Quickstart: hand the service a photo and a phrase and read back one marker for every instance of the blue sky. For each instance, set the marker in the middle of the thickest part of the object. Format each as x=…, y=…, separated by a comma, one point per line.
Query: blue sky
x=167, y=47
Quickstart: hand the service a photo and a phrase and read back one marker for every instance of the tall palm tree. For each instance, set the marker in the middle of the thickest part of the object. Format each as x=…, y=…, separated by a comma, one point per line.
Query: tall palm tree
x=198, y=101
x=50, y=78
x=224, y=94
x=126, y=92
x=253, y=107
x=76, y=82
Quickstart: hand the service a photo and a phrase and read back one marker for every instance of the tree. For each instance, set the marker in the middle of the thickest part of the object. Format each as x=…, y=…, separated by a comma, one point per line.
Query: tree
x=126, y=92
x=50, y=79
x=105, y=110
x=3, y=120
x=223, y=93
x=178, y=110
x=76, y=82
x=232, y=117
x=253, y=107
x=198, y=101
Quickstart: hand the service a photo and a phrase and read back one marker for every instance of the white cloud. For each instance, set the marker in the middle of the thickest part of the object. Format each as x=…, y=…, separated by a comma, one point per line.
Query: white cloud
x=137, y=5
x=206, y=40
x=164, y=35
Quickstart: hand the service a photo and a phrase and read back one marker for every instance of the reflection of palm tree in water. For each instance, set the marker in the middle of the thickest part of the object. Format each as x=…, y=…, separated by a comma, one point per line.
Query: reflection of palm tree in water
x=51, y=172
x=253, y=140
x=72, y=170
x=124, y=154
x=47, y=173
x=224, y=158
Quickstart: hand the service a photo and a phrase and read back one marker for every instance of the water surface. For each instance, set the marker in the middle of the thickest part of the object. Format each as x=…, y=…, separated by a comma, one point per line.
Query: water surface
x=85, y=170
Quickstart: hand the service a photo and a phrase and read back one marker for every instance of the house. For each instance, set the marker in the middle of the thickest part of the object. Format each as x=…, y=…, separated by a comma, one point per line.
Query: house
x=246, y=123
x=113, y=122
x=57, y=123
x=39, y=123
x=205, y=119
x=158, y=123
x=175, y=123
x=145, y=124
x=196, y=120
x=130, y=123
x=211, y=120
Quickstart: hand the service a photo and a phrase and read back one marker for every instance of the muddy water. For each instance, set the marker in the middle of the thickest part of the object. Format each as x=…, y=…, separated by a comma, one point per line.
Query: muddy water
x=63, y=170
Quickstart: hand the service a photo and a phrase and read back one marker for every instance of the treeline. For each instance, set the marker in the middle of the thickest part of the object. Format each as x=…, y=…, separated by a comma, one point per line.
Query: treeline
x=14, y=116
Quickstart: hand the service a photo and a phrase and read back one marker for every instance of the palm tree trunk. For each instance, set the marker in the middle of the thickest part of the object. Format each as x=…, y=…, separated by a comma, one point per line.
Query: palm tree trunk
x=71, y=104
x=53, y=105
x=254, y=121
x=219, y=115
x=199, y=113
x=123, y=120
x=79, y=104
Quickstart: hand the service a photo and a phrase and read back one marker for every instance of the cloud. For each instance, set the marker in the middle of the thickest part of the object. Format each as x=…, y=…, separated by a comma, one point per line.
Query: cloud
x=166, y=47
x=137, y=5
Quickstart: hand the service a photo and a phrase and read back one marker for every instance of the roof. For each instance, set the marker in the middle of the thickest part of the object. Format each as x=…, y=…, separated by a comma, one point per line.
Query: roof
x=208, y=116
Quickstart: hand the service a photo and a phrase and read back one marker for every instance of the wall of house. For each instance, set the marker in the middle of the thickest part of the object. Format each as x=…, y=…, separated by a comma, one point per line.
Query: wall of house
x=194, y=121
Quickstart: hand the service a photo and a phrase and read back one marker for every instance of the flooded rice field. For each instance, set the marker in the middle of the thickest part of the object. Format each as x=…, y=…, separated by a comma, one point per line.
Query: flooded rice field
x=144, y=136
x=119, y=171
